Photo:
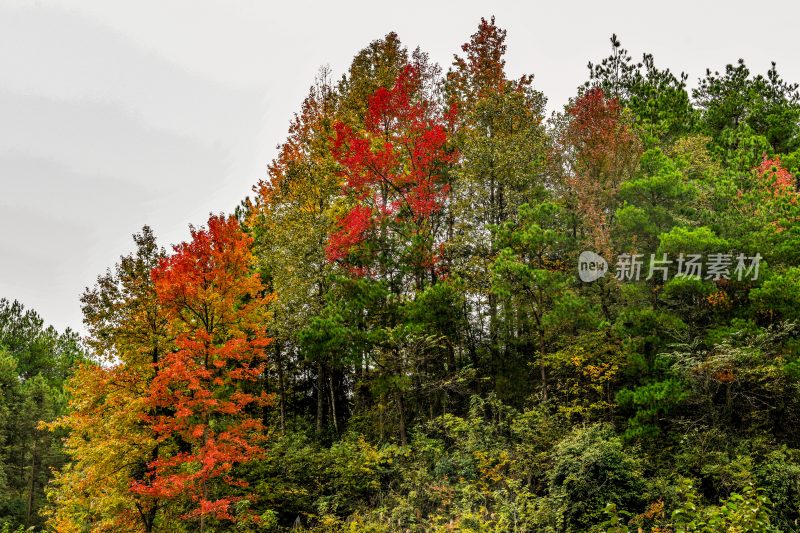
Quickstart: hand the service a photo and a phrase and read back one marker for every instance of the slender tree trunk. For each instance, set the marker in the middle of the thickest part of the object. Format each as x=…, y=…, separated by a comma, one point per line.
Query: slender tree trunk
x=148, y=518
x=493, y=219
x=31, y=484
x=281, y=387
x=401, y=407
x=333, y=404
x=542, y=366
x=451, y=370
x=543, y=375
x=381, y=425
x=493, y=334
x=320, y=387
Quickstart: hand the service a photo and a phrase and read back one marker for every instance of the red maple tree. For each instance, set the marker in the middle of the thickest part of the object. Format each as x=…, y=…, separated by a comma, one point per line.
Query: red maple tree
x=206, y=415
x=395, y=169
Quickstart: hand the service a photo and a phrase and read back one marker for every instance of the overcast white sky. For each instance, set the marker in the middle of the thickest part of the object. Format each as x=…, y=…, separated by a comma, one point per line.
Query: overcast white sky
x=119, y=114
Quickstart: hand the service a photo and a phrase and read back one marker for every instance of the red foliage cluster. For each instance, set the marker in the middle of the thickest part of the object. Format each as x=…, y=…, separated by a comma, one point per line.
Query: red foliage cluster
x=353, y=228
x=395, y=168
x=780, y=179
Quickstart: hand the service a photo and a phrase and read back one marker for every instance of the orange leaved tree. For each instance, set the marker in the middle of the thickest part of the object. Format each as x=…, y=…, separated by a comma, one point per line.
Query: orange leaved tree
x=207, y=410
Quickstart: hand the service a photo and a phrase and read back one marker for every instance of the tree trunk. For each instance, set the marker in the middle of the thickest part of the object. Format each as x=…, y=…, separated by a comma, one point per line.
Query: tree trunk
x=333, y=404
x=281, y=387
x=402, y=409
x=320, y=406
x=543, y=375
x=31, y=484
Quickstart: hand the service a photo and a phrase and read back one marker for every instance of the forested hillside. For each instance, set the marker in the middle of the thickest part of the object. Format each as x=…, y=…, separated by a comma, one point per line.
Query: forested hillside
x=401, y=330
